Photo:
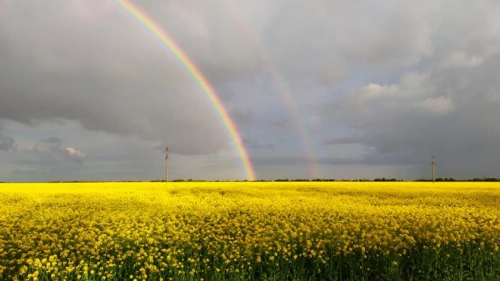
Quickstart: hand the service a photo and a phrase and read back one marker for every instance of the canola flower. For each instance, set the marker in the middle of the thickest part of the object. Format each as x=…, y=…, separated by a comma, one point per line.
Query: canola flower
x=250, y=231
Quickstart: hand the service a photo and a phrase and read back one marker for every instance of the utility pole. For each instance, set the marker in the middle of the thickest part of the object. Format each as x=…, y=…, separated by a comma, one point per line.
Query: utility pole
x=433, y=163
x=166, y=166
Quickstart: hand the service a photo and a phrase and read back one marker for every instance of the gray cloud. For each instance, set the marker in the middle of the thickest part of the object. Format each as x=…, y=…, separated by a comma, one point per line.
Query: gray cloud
x=448, y=113
x=443, y=106
x=395, y=82
x=83, y=71
x=54, y=151
x=71, y=154
x=343, y=140
x=7, y=143
x=52, y=139
x=254, y=144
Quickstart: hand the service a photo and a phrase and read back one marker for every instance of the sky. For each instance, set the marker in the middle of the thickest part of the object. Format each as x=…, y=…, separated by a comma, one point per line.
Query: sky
x=317, y=89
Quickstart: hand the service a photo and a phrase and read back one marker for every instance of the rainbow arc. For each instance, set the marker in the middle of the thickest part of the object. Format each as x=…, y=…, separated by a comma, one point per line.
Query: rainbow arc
x=200, y=79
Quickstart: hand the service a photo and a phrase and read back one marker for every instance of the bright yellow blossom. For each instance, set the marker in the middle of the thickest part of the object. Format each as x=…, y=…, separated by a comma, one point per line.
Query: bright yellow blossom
x=164, y=231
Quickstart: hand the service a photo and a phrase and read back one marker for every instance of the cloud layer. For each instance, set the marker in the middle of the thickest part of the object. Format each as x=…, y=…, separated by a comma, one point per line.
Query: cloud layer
x=372, y=84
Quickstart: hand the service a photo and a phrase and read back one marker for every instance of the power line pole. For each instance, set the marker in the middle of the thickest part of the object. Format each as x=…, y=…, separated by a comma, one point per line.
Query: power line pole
x=166, y=166
x=433, y=163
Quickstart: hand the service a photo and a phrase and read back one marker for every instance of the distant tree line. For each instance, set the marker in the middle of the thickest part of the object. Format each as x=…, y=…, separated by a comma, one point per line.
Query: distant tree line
x=343, y=180
x=484, y=179
x=474, y=179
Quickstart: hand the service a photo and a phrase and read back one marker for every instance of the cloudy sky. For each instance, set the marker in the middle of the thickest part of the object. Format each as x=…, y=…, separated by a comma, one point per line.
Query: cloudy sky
x=320, y=88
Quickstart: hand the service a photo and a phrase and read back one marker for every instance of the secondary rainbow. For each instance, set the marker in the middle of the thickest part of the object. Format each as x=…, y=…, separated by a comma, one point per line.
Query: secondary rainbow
x=202, y=82
x=283, y=88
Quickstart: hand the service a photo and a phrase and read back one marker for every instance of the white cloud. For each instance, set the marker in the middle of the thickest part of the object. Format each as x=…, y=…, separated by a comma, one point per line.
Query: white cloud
x=438, y=106
x=461, y=59
x=360, y=97
x=74, y=153
x=414, y=88
x=62, y=153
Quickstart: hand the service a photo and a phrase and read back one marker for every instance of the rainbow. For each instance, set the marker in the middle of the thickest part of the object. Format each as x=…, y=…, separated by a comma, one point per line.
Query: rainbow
x=202, y=82
x=283, y=88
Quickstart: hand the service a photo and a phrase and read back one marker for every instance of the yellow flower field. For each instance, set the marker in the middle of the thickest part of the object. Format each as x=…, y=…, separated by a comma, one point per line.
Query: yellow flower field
x=250, y=231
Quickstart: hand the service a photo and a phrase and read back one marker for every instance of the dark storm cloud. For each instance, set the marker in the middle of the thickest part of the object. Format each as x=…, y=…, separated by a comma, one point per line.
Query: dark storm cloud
x=106, y=78
x=210, y=34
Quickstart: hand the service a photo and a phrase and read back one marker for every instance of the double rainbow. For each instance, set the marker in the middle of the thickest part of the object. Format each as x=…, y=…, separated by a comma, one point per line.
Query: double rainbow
x=202, y=82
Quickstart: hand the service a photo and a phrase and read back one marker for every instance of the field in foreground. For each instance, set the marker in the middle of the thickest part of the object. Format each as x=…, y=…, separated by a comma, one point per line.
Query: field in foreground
x=250, y=231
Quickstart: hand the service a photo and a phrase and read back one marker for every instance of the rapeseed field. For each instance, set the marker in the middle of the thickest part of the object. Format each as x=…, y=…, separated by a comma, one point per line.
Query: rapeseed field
x=250, y=231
